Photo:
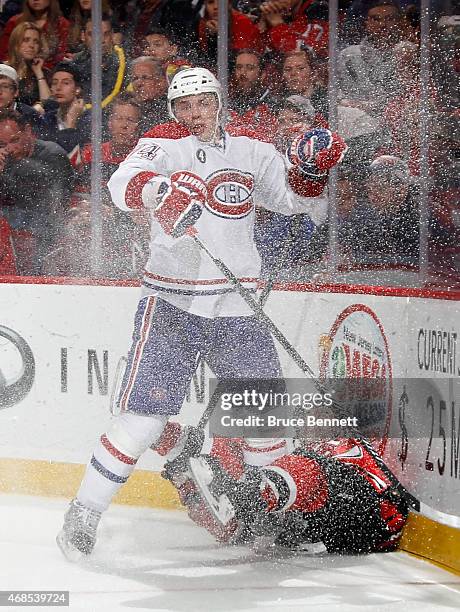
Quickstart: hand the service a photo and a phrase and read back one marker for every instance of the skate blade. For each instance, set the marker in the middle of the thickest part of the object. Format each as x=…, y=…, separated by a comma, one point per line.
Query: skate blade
x=221, y=507
x=69, y=551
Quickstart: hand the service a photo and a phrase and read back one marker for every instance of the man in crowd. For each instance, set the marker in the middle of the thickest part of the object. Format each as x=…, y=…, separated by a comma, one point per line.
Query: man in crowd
x=367, y=70
x=251, y=103
x=113, y=69
x=124, y=236
x=383, y=226
x=279, y=238
x=148, y=78
x=36, y=182
x=9, y=93
x=160, y=45
x=124, y=129
x=299, y=79
x=65, y=120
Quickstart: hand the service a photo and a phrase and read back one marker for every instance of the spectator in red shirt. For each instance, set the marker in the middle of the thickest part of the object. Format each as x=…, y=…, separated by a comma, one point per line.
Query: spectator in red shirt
x=125, y=237
x=7, y=256
x=47, y=16
x=124, y=128
x=251, y=102
x=244, y=33
x=307, y=23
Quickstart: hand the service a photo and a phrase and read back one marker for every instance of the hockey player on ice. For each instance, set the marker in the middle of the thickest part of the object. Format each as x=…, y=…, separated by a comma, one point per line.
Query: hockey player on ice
x=199, y=175
x=326, y=496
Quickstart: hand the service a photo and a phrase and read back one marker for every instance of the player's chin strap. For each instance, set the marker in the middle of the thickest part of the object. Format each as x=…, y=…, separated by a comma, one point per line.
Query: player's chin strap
x=414, y=503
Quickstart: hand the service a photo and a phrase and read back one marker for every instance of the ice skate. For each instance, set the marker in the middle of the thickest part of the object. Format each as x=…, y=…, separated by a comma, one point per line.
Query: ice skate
x=233, y=501
x=78, y=534
x=205, y=478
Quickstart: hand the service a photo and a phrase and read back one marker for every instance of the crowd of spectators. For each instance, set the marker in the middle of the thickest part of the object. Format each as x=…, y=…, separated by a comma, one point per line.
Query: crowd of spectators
x=278, y=87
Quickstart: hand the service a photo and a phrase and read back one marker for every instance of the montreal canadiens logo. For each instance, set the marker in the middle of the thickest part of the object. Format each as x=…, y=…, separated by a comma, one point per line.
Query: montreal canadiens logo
x=356, y=351
x=230, y=193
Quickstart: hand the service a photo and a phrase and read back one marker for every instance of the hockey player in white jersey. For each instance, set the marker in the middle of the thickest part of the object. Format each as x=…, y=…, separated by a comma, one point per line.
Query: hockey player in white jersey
x=197, y=175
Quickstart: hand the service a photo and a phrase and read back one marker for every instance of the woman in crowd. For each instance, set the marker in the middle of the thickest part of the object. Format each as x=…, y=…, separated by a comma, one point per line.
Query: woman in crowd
x=46, y=16
x=25, y=56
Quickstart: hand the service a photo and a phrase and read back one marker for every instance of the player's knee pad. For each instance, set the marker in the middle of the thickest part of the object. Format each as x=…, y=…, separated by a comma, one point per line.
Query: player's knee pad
x=132, y=434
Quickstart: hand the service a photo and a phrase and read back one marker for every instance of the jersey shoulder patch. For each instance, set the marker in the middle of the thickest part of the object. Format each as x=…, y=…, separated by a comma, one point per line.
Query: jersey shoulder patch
x=146, y=149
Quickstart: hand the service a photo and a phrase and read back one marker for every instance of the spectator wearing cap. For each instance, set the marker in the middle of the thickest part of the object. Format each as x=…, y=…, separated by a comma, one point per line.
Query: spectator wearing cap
x=113, y=68
x=295, y=23
x=36, y=181
x=383, y=226
x=66, y=121
x=8, y=97
x=367, y=74
x=251, y=102
x=299, y=77
x=149, y=83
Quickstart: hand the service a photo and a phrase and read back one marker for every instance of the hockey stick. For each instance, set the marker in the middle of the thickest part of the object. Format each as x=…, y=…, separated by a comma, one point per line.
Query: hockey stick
x=114, y=403
x=255, y=306
x=281, y=260
x=293, y=231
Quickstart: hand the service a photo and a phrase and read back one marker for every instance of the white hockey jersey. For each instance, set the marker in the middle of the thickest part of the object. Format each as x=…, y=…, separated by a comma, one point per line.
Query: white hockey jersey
x=241, y=173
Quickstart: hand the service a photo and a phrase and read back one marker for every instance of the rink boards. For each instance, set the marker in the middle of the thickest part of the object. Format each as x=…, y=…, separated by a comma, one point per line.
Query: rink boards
x=60, y=345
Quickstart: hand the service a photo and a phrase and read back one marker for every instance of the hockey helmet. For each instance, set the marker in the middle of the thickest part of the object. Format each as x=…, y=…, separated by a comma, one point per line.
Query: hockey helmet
x=193, y=81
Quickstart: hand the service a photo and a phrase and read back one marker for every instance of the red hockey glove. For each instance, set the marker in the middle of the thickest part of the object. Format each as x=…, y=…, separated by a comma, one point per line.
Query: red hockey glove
x=316, y=152
x=182, y=203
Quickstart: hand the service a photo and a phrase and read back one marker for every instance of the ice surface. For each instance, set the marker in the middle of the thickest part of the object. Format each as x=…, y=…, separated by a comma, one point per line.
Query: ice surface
x=158, y=560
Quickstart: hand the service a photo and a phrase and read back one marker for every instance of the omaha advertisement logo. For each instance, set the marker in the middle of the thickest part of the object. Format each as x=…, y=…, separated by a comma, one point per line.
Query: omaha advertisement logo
x=357, y=350
x=17, y=367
